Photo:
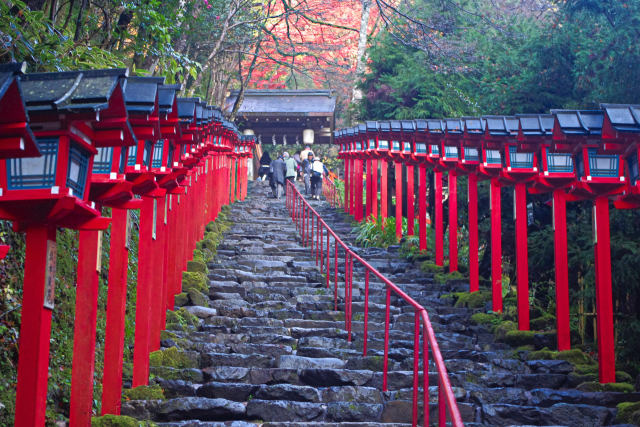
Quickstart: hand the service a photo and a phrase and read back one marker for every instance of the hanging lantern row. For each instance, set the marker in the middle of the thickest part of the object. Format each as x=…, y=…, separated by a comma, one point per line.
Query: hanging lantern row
x=74, y=142
x=572, y=154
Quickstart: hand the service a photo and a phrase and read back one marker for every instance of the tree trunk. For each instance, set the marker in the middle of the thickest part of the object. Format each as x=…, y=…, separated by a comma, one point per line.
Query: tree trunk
x=244, y=82
x=83, y=5
x=36, y=4
x=52, y=10
x=362, y=48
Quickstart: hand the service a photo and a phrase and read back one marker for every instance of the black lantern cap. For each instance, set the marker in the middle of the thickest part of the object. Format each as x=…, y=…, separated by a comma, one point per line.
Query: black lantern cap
x=536, y=124
x=350, y=131
x=435, y=126
x=454, y=126
x=372, y=126
x=421, y=125
x=579, y=122
x=408, y=126
x=166, y=96
x=362, y=129
x=140, y=94
x=74, y=91
x=501, y=125
x=473, y=125
x=624, y=118
x=187, y=108
x=396, y=126
x=384, y=126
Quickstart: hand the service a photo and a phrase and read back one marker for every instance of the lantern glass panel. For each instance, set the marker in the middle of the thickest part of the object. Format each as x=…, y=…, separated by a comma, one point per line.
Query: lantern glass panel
x=170, y=155
x=471, y=154
x=435, y=149
x=103, y=160
x=406, y=147
x=383, y=144
x=372, y=144
x=34, y=172
x=148, y=148
x=77, y=171
x=358, y=146
x=157, y=154
x=451, y=151
x=123, y=158
x=520, y=160
x=421, y=148
x=603, y=165
x=559, y=163
x=493, y=157
x=396, y=146
x=634, y=170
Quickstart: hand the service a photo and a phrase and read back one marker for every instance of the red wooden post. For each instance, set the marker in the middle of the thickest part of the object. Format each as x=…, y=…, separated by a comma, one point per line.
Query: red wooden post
x=160, y=279
x=116, y=307
x=562, y=269
x=374, y=188
x=604, y=298
x=359, y=188
x=347, y=184
x=522, y=265
x=384, y=196
x=496, y=246
x=369, y=202
x=437, y=177
x=422, y=206
x=144, y=294
x=398, y=200
x=84, y=333
x=473, y=233
x=453, y=221
x=35, y=327
x=410, y=201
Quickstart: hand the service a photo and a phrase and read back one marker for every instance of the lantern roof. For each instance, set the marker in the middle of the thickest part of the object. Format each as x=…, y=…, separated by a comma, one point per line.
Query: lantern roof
x=16, y=137
x=536, y=124
x=579, y=122
x=372, y=125
x=623, y=118
x=421, y=125
x=384, y=126
x=187, y=108
x=350, y=131
x=70, y=91
x=141, y=94
x=362, y=128
x=166, y=97
x=435, y=126
x=454, y=126
x=501, y=125
x=396, y=126
x=408, y=126
x=217, y=114
x=473, y=125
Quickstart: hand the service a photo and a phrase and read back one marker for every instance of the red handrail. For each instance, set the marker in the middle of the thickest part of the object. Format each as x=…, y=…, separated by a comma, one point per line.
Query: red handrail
x=331, y=193
x=312, y=228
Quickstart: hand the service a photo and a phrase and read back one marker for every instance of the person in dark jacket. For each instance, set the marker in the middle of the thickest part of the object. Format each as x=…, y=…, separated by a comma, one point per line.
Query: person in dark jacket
x=265, y=162
x=278, y=170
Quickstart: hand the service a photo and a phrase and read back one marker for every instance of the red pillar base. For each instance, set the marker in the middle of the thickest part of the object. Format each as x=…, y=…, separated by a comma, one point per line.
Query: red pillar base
x=398, y=201
x=496, y=246
x=422, y=206
x=522, y=257
x=410, y=201
x=384, y=190
x=474, y=284
x=437, y=178
x=562, y=269
x=453, y=222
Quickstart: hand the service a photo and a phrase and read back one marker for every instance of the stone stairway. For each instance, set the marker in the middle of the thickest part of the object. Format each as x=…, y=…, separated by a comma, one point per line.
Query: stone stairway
x=269, y=349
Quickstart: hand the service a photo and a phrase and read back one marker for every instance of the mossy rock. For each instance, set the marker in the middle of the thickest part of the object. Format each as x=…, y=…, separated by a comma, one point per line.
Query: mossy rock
x=119, y=421
x=486, y=318
x=203, y=255
x=455, y=275
x=181, y=299
x=623, y=377
x=168, y=373
x=194, y=280
x=182, y=317
x=615, y=387
x=585, y=369
x=198, y=298
x=172, y=357
x=430, y=267
x=628, y=413
x=500, y=331
x=543, y=322
x=166, y=335
x=518, y=338
x=544, y=354
x=472, y=299
x=212, y=226
x=144, y=392
x=575, y=357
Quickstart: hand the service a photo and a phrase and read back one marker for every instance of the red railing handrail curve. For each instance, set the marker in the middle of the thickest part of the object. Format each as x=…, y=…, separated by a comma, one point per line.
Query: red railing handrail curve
x=299, y=207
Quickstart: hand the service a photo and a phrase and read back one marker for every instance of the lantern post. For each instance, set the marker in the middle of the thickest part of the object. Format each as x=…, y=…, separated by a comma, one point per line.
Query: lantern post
x=408, y=135
x=395, y=152
x=382, y=153
x=371, y=138
x=600, y=175
x=40, y=194
x=436, y=134
x=468, y=164
x=419, y=158
x=342, y=155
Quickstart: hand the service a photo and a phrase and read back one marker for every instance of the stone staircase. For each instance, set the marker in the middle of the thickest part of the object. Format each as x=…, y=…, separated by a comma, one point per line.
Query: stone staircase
x=270, y=350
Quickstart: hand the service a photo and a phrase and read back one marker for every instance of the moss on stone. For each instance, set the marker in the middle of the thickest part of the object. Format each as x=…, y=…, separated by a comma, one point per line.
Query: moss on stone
x=544, y=354
x=585, y=369
x=628, y=413
x=144, y=392
x=181, y=299
x=472, y=299
x=430, y=267
x=486, y=318
x=166, y=335
x=171, y=357
x=198, y=298
x=194, y=280
x=501, y=330
x=182, y=317
x=615, y=387
x=575, y=357
x=545, y=321
x=119, y=421
x=197, y=266
x=623, y=377
x=516, y=338
x=169, y=373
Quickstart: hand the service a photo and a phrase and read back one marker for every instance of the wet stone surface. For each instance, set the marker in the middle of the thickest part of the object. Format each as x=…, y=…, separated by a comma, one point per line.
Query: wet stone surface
x=272, y=351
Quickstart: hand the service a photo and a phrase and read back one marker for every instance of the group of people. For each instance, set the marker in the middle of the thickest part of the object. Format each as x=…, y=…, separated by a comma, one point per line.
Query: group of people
x=303, y=165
